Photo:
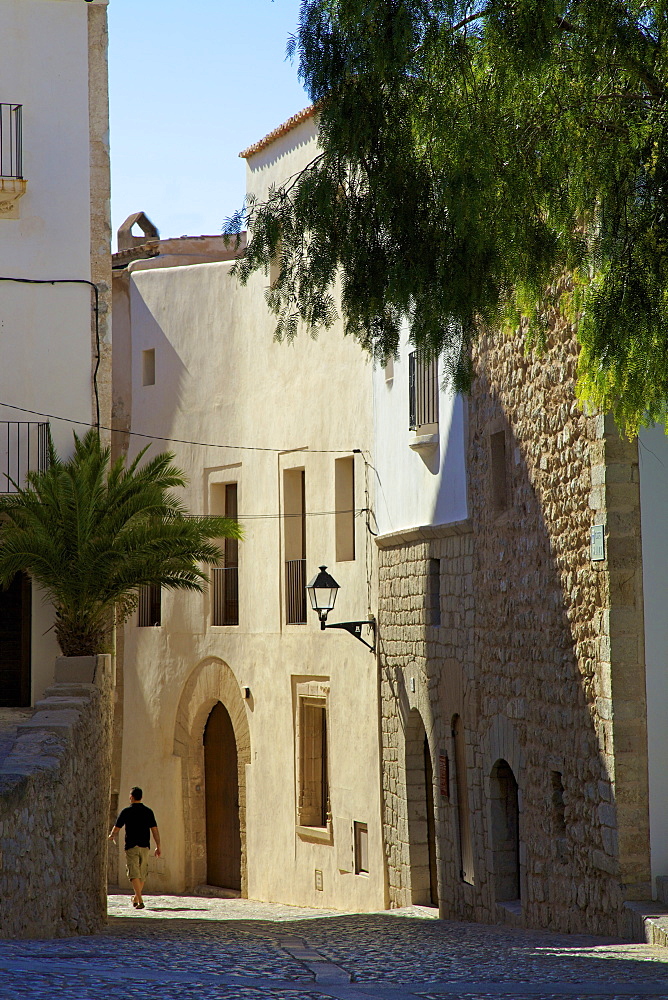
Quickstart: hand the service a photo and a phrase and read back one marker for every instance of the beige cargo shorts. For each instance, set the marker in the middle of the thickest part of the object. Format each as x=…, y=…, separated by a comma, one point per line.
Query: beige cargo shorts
x=136, y=860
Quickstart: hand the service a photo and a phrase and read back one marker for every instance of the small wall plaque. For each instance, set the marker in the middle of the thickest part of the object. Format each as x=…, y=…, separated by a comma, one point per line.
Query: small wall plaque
x=597, y=542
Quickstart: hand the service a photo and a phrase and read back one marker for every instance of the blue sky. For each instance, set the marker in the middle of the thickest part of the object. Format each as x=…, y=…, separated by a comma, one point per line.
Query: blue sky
x=193, y=82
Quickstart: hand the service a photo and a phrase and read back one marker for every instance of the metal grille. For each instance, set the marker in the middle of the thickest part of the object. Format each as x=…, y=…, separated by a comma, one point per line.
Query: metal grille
x=225, y=595
x=24, y=447
x=295, y=591
x=422, y=389
x=11, y=140
x=150, y=605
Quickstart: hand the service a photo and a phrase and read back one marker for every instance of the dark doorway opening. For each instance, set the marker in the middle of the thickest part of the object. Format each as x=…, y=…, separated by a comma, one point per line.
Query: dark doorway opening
x=15, y=622
x=431, y=824
x=421, y=818
x=221, y=782
x=505, y=833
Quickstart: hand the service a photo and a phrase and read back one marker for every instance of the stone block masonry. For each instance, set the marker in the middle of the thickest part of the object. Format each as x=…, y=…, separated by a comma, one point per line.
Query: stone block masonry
x=54, y=802
x=539, y=653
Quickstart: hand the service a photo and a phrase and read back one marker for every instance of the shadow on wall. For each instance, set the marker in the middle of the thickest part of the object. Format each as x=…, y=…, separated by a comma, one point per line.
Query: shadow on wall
x=540, y=606
x=451, y=496
x=158, y=380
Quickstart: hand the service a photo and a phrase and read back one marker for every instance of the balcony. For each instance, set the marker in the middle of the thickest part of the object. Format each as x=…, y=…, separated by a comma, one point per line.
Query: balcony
x=225, y=595
x=12, y=182
x=295, y=592
x=24, y=447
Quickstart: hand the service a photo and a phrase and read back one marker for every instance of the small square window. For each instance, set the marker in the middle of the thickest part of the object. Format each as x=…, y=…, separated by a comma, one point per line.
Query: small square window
x=148, y=367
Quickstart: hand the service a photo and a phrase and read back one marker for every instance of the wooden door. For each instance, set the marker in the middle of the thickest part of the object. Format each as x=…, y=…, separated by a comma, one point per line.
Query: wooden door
x=15, y=620
x=221, y=782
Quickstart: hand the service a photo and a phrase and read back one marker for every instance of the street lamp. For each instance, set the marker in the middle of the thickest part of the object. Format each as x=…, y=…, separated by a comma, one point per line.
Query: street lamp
x=322, y=591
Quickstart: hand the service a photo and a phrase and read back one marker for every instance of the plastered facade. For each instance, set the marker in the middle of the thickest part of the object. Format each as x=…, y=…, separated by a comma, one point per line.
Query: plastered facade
x=259, y=414
x=56, y=360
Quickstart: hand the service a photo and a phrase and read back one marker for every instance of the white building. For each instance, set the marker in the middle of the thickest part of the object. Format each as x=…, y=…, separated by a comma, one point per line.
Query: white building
x=253, y=733
x=54, y=272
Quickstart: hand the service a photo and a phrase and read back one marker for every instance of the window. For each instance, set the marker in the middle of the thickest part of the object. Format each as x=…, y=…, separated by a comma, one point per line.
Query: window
x=150, y=605
x=313, y=807
x=344, y=497
x=499, y=484
x=361, y=834
x=11, y=165
x=148, y=367
x=294, y=537
x=558, y=806
x=434, y=593
x=225, y=577
x=422, y=389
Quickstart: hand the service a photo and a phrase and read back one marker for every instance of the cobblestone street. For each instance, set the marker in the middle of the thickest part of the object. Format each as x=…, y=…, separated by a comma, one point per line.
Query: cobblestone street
x=195, y=948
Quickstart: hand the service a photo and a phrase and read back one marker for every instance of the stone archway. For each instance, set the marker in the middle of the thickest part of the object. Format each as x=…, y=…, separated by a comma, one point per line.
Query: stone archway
x=210, y=683
x=505, y=833
x=420, y=814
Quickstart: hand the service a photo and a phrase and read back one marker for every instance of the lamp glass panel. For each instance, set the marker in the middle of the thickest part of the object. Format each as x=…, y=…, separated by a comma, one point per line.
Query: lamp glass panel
x=322, y=598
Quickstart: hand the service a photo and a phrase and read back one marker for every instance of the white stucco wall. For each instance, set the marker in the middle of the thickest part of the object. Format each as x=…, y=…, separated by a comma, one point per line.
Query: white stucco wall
x=653, y=452
x=424, y=487
x=222, y=380
x=45, y=330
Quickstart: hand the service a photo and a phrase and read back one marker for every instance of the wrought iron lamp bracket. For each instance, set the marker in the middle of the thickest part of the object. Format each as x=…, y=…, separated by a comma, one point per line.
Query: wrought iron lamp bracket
x=355, y=628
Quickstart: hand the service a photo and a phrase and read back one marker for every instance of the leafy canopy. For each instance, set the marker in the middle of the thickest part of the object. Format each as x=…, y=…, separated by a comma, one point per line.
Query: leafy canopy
x=92, y=532
x=471, y=154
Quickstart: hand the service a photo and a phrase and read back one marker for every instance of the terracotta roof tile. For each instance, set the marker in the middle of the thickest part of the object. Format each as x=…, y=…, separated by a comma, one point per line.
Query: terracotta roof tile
x=286, y=127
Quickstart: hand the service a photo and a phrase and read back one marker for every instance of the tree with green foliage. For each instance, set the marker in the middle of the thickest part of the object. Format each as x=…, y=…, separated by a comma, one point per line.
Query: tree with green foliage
x=471, y=154
x=91, y=532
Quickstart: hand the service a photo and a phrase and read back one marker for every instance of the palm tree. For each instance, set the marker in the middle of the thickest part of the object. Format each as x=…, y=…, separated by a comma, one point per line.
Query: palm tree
x=92, y=532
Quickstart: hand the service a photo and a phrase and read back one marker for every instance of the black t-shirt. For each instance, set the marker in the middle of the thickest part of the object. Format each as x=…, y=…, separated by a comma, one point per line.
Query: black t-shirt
x=138, y=821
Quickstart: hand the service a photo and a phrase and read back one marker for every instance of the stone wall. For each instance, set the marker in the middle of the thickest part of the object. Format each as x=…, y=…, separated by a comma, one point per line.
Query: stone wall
x=539, y=651
x=54, y=801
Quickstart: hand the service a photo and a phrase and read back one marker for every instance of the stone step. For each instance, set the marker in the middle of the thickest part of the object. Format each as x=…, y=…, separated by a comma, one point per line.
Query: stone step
x=69, y=690
x=57, y=702
x=57, y=721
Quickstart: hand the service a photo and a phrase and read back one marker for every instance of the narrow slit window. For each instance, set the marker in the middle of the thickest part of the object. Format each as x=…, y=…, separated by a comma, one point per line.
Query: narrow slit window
x=434, y=593
x=294, y=538
x=313, y=779
x=361, y=833
x=558, y=806
x=344, y=487
x=150, y=606
x=148, y=367
x=225, y=576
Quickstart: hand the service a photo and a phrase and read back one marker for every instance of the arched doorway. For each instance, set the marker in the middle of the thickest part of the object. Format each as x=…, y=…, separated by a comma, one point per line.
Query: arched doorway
x=221, y=784
x=421, y=820
x=505, y=833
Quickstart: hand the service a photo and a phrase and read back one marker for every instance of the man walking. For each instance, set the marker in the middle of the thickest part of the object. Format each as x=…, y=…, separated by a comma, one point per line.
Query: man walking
x=139, y=822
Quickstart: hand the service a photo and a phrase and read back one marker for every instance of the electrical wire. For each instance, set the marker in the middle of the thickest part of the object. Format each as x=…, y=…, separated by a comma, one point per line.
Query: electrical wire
x=172, y=440
x=96, y=309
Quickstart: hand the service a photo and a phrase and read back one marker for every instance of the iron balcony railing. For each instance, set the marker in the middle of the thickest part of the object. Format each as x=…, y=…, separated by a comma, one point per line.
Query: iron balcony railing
x=422, y=389
x=225, y=595
x=295, y=591
x=11, y=140
x=24, y=447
